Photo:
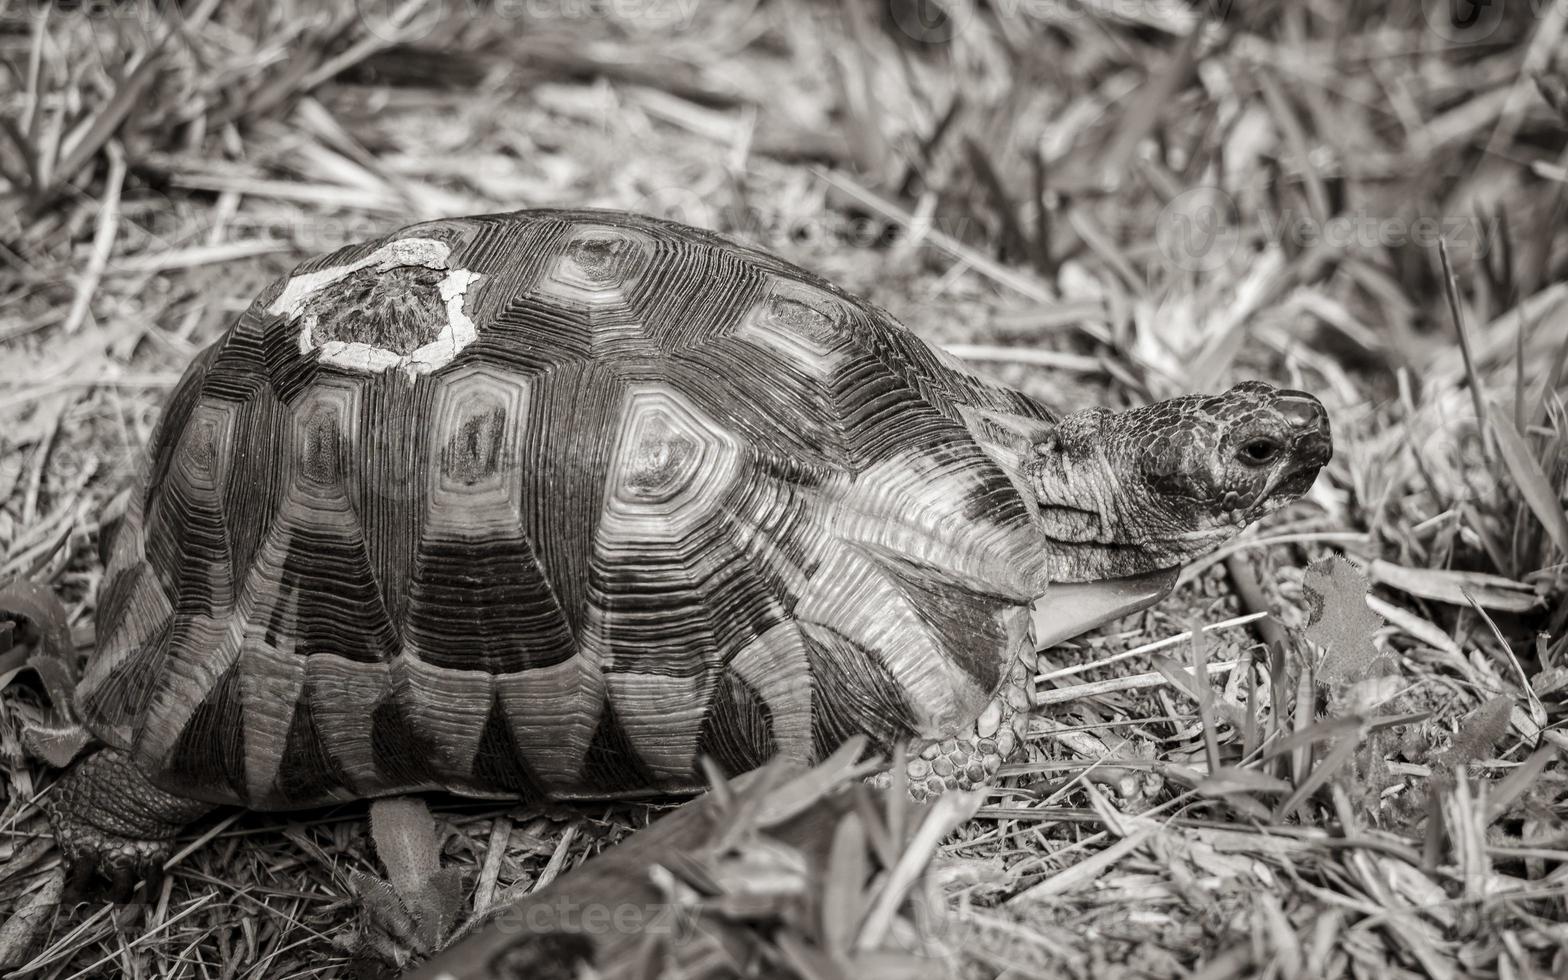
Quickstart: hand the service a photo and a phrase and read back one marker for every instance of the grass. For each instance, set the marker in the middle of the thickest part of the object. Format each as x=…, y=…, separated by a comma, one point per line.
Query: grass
x=1096, y=202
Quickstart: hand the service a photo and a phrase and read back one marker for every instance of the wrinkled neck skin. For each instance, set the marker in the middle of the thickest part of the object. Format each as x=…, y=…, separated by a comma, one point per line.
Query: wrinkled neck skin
x=1098, y=527
x=1101, y=516
x=1122, y=494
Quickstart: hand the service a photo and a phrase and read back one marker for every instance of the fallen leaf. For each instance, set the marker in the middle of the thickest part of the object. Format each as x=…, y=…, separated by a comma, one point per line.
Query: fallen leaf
x=58, y=745
x=1444, y=585
x=29, y=923
x=386, y=930
x=55, y=662
x=1229, y=779
x=1478, y=732
x=1531, y=481
x=404, y=832
x=1339, y=620
x=438, y=906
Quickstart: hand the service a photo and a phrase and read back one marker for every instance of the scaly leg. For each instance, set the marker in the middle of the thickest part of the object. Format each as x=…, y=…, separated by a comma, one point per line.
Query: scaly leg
x=113, y=826
x=972, y=758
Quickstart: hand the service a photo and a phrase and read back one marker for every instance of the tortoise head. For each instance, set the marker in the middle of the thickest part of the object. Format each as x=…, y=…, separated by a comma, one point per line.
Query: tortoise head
x=1123, y=493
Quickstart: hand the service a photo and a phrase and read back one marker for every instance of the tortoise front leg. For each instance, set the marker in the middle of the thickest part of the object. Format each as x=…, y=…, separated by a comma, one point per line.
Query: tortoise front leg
x=113, y=826
x=971, y=758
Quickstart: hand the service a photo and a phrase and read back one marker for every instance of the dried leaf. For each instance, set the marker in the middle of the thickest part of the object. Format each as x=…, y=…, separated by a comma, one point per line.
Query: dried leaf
x=29, y=923
x=438, y=907
x=1549, y=681
x=843, y=896
x=404, y=833
x=1478, y=732
x=55, y=663
x=1230, y=779
x=386, y=930
x=1340, y=621
x=1368, y=694
x=1444, y=585
x=58, y=745
x=58, y=681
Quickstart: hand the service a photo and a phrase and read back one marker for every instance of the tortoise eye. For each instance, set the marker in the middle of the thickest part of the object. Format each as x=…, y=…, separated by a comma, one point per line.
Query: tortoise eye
x=1258, y=451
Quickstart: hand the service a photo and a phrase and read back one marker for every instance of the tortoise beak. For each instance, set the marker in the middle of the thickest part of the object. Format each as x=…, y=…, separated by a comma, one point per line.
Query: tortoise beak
x=1074, y=608
x=1312, y=442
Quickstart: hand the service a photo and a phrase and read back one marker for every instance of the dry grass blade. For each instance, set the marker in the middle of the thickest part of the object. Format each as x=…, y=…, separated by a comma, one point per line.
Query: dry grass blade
x=1456, y=587
x=1087, y=870
x=1456, y=316
x=843, y=903
x=1518, y=782
x=1338, y=757
x=990, y=269
x=126, y=97
x=800, y=793
x=950, y=810
x=1231, y=779
x=1334, y=728
x=103, y=240
x=1544, y=502
x=1154, y=97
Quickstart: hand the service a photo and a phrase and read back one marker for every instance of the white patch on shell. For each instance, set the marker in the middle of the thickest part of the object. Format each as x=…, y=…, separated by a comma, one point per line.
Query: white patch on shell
x=775, y=665
x=914, y=506
x=458, y=332
x=853, y=595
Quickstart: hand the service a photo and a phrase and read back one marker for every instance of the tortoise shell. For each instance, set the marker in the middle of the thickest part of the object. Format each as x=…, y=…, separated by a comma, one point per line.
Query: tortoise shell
x=551, y=504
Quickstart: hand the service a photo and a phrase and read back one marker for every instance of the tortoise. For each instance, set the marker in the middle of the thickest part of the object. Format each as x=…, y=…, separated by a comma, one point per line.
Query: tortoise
x=552, y=504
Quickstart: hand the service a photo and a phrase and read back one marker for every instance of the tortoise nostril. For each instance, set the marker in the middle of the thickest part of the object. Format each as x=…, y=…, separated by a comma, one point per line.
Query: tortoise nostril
x=1299, y=409
x=1318, y=450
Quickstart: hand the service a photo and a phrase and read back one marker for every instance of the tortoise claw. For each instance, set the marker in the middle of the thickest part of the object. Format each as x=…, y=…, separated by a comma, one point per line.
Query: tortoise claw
x=152, y=884
x=79, y=888
x=86, y=883
x=122, y=885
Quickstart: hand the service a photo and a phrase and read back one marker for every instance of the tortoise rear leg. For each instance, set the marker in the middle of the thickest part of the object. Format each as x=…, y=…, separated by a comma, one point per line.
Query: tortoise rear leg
x=113, y=826
x=972, y=758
